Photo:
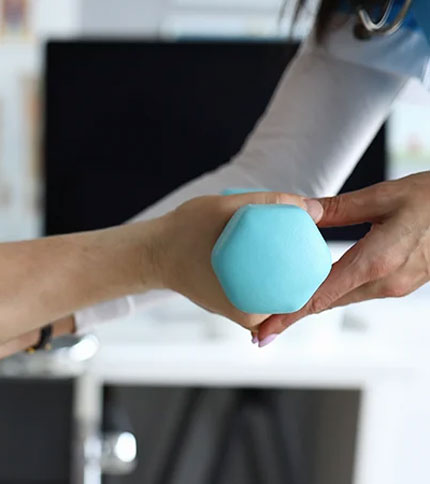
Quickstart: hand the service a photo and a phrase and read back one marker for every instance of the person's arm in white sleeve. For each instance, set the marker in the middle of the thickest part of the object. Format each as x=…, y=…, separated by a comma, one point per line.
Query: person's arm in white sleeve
x=320, y=121
x=323, y=116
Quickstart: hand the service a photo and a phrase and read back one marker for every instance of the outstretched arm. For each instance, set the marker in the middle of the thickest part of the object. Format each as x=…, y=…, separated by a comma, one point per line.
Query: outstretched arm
x=321, y=119
x=45, y=279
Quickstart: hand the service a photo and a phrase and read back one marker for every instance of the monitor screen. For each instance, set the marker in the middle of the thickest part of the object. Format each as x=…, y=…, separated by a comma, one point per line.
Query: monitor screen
x=126, y=122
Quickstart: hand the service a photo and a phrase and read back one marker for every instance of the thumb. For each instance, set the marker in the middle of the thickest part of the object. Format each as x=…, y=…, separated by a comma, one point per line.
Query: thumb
x=366, y=205
x=313, y=207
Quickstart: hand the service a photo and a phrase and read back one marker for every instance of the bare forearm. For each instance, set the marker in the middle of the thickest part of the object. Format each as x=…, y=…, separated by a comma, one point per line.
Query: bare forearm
x=46, y=279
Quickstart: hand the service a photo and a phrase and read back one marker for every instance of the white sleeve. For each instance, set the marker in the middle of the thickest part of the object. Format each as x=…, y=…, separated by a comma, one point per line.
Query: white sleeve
x=321, y=119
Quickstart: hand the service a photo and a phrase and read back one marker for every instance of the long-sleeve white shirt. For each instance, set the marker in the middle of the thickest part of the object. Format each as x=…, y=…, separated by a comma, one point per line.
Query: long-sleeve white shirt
x=325, y=112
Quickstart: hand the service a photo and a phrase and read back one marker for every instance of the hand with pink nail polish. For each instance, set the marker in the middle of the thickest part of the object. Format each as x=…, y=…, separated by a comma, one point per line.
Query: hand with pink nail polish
x=392, y=260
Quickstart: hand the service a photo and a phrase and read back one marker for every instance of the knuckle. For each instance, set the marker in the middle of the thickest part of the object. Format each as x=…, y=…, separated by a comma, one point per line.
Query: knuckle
x=286, y=321
x=318, y=304
x=277, y=198
x=380, y=266
x=384, y=190
x=280, y=198
x=398, y=288
x=386, y=291
x=334, y=206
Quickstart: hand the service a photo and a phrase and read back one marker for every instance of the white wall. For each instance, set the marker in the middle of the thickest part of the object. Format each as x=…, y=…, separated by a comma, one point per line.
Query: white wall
x=20, y=67
x=21, y=58
x=123, y=17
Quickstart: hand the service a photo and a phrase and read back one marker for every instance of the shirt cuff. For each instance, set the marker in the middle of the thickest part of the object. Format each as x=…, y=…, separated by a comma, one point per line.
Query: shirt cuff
x=105, y=312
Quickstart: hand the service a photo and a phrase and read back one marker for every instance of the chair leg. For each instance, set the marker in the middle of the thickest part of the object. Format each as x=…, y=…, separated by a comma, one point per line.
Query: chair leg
x=235, y=427
x=228, y=435
x=180, y=436
x=259, y=407
x=257, y=466
x=280, y=443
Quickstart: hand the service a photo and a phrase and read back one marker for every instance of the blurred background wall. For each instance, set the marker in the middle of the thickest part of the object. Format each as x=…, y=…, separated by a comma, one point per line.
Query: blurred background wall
x=25, y=25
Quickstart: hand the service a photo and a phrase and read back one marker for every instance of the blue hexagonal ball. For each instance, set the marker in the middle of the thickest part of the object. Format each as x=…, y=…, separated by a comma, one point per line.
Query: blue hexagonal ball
x=271, y=259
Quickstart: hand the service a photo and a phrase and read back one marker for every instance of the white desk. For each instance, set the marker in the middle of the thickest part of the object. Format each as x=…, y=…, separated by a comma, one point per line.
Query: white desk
x=387, y=359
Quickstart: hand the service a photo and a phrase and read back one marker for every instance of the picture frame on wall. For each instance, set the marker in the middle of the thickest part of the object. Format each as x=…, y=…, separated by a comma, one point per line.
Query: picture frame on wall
x=409, y=139
x=15, y=19
x=5, y=190
x=31, y=130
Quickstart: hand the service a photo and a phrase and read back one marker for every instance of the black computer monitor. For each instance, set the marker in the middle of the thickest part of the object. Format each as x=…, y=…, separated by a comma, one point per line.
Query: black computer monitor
x=128, y=122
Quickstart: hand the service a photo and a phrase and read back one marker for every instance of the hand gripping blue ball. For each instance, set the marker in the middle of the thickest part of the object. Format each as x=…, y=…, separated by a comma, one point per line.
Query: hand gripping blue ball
x=271, y=259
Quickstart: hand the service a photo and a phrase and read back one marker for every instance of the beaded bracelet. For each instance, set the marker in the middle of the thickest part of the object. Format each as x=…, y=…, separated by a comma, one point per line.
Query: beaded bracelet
x=44, y=342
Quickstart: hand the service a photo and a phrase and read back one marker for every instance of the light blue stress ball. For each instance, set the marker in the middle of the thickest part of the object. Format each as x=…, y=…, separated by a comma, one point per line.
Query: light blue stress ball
x=238, y=191
x=271, y=259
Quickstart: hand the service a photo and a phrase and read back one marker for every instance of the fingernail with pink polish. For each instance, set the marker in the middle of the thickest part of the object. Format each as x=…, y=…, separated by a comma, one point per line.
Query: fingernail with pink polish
x=267, y=341
x=255, y=339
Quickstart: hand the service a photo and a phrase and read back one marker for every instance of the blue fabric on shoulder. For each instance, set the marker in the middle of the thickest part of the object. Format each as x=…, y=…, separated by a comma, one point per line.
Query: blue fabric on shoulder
x=421, y=10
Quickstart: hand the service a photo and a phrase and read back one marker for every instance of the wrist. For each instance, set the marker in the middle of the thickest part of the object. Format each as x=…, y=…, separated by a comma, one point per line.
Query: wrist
x=144, y=240
x=64, y=326
x=19, y=344
x=118, y=261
